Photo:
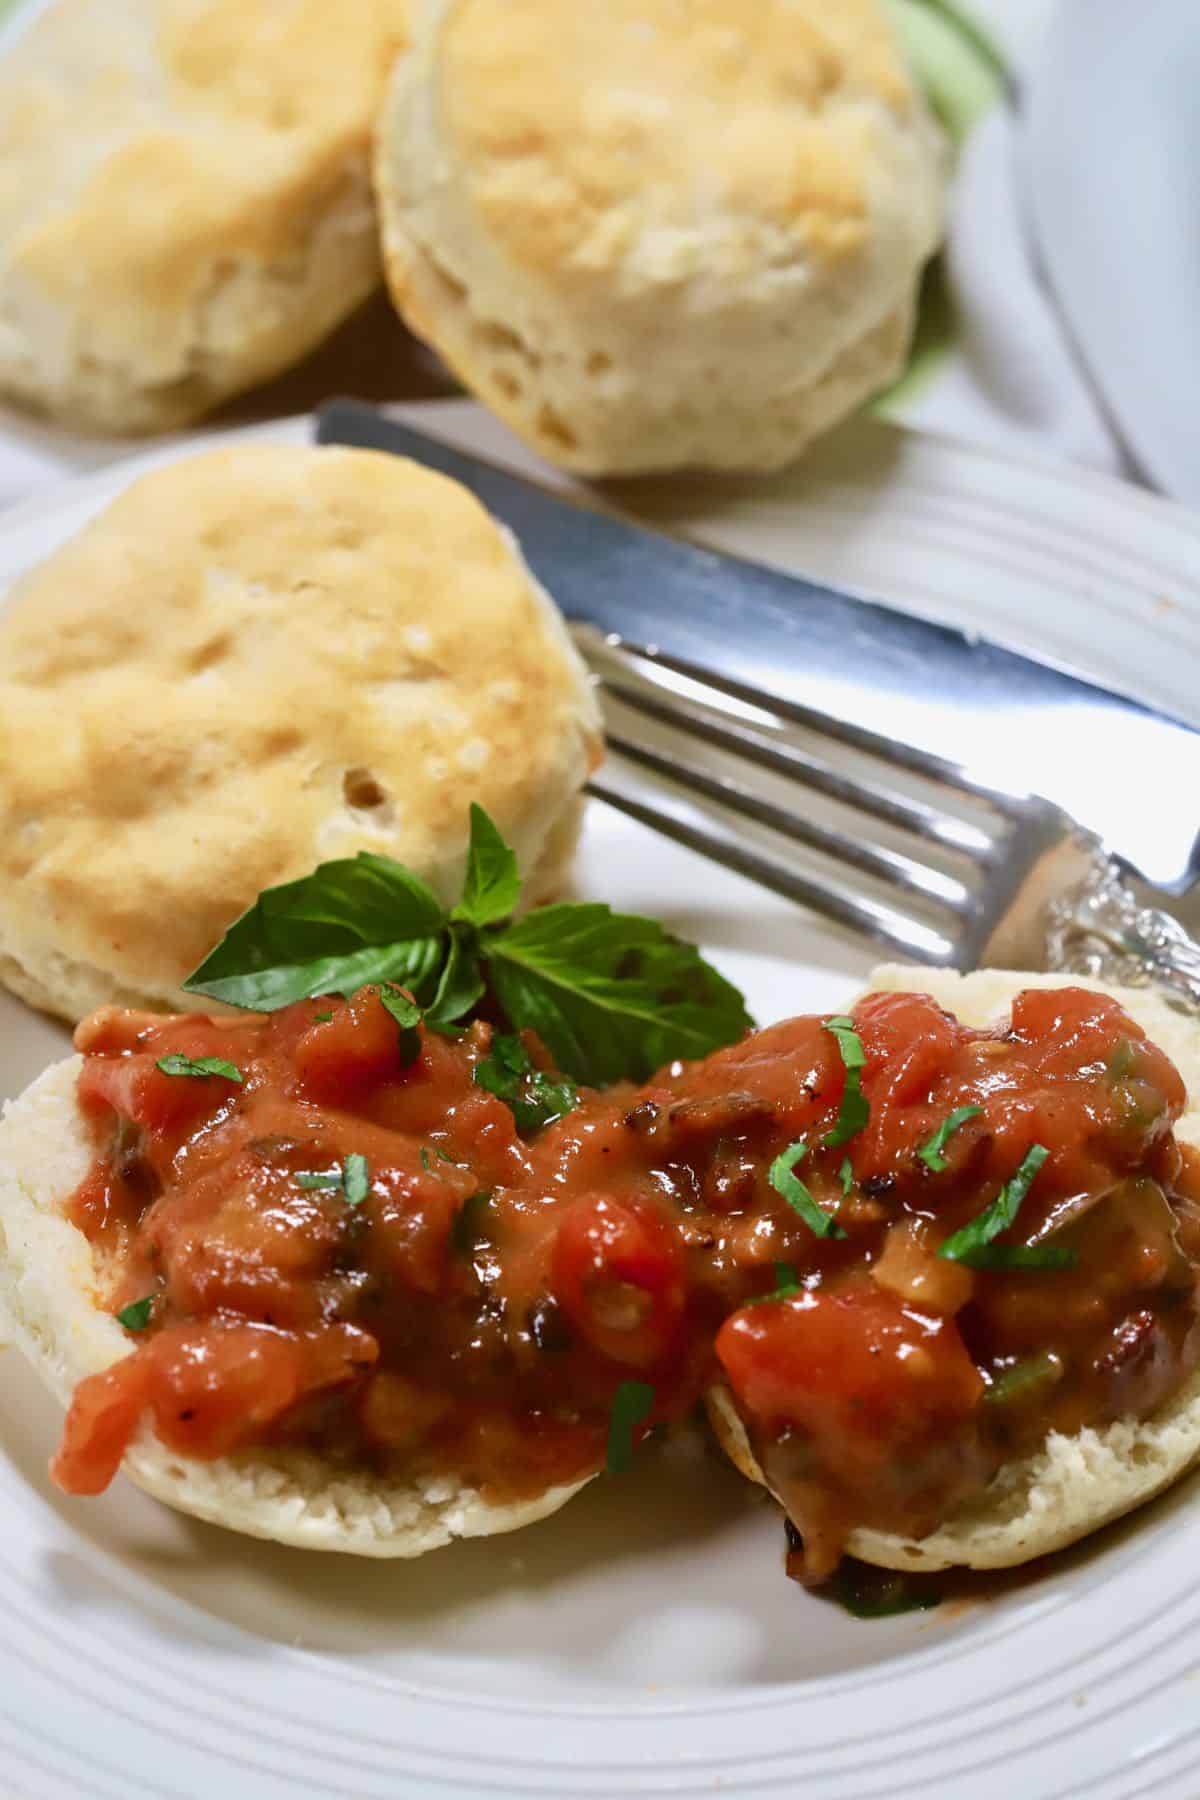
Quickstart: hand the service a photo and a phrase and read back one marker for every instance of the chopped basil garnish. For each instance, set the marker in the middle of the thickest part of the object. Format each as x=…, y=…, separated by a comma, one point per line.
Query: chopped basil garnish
x=442, y=1156
x=200, y=1065
x=353, y=1179
x=534, y=1097
x=846, y=1177
x=787, y=1283
x=632, y=1402
x=468, y=1221
x=136, y=1316
x=612, y=995
x=1025, y=1380
x=871, y=1593
x=406, y=1012
x=793, y=1190
x=407, y=1015
x=322, y=1018
x=356, y=1178
x=1020, y=1256
x=930, y=1151
x=1123, y=1061
x=974, y=1244
x=854, y=1111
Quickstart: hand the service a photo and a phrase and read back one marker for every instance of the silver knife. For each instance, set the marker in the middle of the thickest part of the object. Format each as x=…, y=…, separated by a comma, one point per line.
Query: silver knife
x=1127, y=772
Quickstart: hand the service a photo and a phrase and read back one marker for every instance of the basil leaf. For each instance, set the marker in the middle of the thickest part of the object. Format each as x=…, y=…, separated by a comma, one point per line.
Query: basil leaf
x=322, y=1018
x=492, y=886
x=930, y=1151
x=793, y=1190
x=461, y=984
x=356, y=1179
x=632, y=1402
x=310, y=1179
x=362, y=919
x=846, y=1177
x=534, y=1097
x=967, y=1244
x=611, y=995
x=136, y=1316
x=854, y=1110
x=200, y=1065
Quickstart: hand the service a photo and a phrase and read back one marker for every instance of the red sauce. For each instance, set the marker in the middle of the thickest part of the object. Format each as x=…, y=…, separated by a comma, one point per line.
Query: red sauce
x=477, y=1312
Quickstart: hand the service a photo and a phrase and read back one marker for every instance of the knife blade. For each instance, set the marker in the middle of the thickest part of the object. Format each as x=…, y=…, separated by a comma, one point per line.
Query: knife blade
x=1117, y=766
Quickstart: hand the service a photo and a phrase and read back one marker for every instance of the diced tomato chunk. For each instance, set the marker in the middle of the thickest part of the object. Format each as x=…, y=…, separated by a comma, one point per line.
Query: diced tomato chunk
x=848, y=1364
x=209, y=1389
x=358, y=1046
x=617, y=1272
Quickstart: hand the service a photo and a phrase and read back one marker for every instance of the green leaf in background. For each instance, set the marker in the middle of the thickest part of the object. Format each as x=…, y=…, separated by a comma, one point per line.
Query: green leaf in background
x=351, y=922
x=493, y=885
x=611, y=995
x=954, y=60
x=962, y=73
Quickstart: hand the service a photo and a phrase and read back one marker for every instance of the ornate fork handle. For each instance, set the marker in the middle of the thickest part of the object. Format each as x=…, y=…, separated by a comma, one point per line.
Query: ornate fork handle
x=1102, y=929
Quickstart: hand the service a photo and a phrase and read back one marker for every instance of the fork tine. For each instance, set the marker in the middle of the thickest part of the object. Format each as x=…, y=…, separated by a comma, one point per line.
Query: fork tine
x=646, y=663
x=883, y=865
x=882, y=924
x=808, y=771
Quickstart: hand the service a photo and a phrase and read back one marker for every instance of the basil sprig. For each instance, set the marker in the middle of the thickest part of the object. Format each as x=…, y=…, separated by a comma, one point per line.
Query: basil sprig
x=612, y=995
x=974, y=1244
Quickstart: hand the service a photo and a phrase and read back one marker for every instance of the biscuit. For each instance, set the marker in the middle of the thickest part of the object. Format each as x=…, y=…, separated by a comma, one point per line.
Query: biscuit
x=654, y=234
x=49, y=1307
x=185, y=203
x=1073, y=1485
x=253, y=661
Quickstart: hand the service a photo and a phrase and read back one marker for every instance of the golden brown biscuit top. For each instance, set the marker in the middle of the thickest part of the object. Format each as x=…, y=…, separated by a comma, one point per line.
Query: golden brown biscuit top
x=143, y=138
x=257, y=659
x=582, y=130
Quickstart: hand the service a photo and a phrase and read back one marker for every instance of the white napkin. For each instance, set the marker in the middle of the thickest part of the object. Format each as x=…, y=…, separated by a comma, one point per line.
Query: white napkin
x=1011, y=379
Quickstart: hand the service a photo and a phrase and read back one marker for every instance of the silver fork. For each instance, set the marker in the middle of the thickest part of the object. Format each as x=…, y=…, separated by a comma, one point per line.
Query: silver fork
x=889, y=842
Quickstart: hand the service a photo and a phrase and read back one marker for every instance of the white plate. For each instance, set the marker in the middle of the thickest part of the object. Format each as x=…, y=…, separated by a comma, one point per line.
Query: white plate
x=1113, y=171
x=645, y=1640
